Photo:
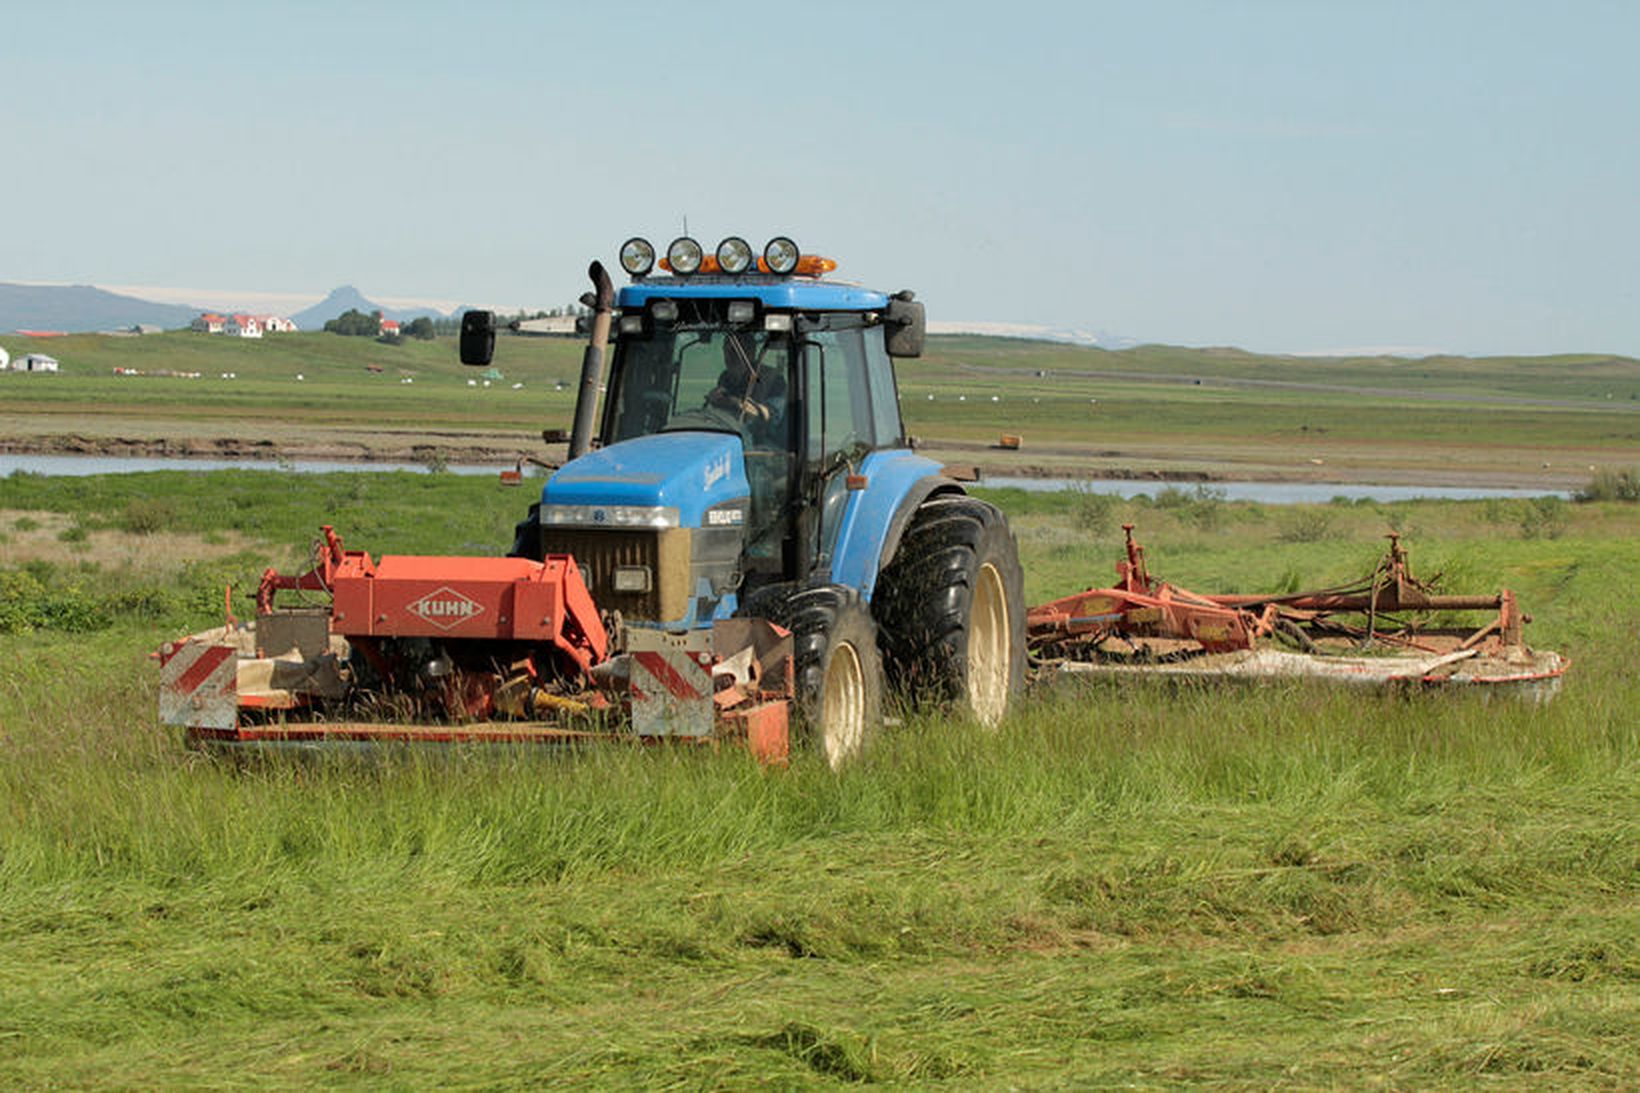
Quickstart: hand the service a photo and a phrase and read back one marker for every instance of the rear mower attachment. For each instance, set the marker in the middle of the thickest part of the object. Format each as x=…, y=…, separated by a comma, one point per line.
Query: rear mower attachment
x=1380, y=632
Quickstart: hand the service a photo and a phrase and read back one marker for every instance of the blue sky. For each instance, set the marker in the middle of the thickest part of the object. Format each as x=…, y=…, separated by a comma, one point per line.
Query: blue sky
x=1280, y=176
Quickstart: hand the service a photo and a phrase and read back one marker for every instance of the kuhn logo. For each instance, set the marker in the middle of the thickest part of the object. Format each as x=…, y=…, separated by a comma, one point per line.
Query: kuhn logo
x=446, y=608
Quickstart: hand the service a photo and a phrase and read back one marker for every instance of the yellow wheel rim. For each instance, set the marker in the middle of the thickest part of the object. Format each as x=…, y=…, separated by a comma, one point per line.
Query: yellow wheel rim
x=843, y=706
x=990, y=653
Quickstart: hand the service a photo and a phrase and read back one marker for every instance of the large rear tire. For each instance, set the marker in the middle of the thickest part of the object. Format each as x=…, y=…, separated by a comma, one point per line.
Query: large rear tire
x=951, y=607
x=839, y=670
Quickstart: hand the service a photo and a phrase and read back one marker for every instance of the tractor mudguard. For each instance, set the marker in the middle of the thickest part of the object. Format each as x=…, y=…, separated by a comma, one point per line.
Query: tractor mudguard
x=897, y=481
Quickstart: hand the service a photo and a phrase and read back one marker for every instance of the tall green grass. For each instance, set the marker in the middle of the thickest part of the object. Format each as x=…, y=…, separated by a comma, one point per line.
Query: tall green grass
x=1134, y=884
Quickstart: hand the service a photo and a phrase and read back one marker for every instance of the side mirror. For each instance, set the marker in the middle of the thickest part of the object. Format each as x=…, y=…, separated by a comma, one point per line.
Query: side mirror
x=478, y=337
x=906, y=324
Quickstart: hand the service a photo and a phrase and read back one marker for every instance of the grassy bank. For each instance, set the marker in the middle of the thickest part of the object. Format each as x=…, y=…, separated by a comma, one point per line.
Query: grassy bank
x=1126, y=884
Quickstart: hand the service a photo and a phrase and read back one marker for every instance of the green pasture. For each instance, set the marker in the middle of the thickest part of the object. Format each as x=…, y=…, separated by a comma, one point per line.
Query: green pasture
x=1587, y=408
x=1124, y=885
x=1593, y=377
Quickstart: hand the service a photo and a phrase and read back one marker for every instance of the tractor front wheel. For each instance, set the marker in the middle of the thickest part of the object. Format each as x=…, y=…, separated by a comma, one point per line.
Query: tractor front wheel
x=951, y=605
x=839, y=670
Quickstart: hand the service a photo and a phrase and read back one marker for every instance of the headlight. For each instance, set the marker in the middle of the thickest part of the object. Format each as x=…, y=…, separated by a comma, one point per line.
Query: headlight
x=734, y=255
x=740, y=312
x=684, y=255
x=631, y=578
x=637, y=256
x=664, y=311
x=610, y=516
x=781, y=255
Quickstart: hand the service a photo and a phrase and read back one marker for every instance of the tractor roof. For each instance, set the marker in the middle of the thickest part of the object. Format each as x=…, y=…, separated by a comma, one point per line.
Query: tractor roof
x=796, y=293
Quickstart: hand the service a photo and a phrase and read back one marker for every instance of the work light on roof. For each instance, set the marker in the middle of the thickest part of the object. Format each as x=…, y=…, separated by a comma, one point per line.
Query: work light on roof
x=637, y=256
x=781, y=255
x=734, y=255
x=684, y=255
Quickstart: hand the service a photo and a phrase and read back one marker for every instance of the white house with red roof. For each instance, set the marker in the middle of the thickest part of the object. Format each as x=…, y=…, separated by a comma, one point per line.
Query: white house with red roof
x=390, y=327
x=241, y=325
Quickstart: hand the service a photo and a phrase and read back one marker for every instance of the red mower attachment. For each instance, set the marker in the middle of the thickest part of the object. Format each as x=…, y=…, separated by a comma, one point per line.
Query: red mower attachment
x=453, y=649
x=1381, y=631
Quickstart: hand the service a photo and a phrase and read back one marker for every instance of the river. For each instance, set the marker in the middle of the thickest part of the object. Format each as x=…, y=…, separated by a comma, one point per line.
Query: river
x=1274, y=493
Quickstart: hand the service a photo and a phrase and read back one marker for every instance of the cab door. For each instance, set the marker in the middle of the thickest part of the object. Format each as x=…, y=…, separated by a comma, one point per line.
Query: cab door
x=839, y=432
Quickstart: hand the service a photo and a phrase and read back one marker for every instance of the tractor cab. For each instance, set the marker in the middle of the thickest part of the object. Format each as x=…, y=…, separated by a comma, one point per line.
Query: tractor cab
x=742, y=403
x=799, y=372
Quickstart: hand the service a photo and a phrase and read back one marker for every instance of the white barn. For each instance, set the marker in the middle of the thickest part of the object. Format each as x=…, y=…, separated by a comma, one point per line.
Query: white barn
x=34, y=362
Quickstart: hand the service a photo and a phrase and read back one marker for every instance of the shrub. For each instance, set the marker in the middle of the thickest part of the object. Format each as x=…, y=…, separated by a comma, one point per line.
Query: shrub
x=1610, y=485
x=1497, y=511
x=1201, y=507
x=28, y=603
x=1092, y=512
x=146, y=515
x=1543, y=518
x=1306, y=526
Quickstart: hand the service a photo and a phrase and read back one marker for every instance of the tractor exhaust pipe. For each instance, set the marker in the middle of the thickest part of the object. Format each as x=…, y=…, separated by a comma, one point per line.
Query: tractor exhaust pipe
x=602, y=301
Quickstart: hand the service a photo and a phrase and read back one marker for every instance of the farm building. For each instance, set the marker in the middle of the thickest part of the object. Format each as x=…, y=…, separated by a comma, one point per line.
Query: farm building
x=5, y=359
x=34, y=362
x=242, y=326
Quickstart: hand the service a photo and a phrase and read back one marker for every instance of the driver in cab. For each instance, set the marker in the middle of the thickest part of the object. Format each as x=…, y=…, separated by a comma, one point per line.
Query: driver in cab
x=756, y=395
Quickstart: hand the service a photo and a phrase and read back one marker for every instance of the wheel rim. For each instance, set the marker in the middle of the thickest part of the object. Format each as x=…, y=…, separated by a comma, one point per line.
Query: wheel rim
x=842, y=705
x=990, y=659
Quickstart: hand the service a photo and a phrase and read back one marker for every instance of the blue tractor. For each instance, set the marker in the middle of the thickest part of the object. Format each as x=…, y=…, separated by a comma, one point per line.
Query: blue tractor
x=749, y=461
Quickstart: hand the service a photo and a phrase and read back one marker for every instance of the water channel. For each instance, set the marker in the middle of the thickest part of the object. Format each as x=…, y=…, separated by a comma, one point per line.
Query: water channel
x=1272, y=493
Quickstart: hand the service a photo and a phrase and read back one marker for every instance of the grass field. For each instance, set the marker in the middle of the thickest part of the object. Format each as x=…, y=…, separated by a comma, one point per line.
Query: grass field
x=1524, y=421
x=1129, y=885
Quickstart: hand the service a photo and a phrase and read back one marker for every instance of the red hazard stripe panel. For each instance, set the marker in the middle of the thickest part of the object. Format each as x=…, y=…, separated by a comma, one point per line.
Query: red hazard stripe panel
x=210, y=658
x=658, y=666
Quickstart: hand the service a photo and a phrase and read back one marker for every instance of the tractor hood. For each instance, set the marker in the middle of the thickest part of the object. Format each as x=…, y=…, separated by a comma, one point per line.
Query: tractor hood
x=662, y=480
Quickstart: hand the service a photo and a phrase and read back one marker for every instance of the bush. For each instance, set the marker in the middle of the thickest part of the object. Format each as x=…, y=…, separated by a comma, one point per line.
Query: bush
x=1202, y=507
x=1497, y=511
x=1092, y=512
x=1306, y=526
x=1543, y=518
x=27, y=604
x=146, y=515
x=1610, y=485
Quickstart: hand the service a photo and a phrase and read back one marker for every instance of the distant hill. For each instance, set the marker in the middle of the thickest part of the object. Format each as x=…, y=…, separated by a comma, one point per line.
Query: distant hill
x=82, y=309
x=347, y=297
x=1092, y=338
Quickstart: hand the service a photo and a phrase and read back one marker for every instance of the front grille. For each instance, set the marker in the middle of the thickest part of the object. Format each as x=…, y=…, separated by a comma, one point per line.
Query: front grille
x=600, y=551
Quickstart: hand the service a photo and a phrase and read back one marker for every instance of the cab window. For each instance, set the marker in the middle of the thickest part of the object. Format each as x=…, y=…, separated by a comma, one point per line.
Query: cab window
x=838, y=394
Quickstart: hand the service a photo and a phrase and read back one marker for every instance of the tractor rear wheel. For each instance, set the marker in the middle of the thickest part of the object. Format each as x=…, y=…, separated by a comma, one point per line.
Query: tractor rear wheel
x=951, y=606
x=839, y=670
